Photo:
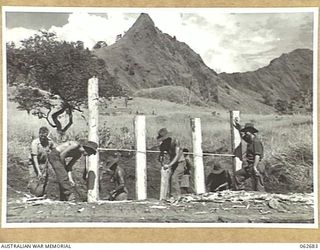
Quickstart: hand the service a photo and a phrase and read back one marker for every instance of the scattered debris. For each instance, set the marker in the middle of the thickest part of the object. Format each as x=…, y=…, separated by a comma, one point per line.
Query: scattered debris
x=243, y=196
x=273, y=203
x=201, y=212
x=36, y=198
x=213, y=210
x=158, y=207
x=80, y=210
x=35, y=204
x=264, y=212
x=24, y=207
x=225, y=206
x=238, y=206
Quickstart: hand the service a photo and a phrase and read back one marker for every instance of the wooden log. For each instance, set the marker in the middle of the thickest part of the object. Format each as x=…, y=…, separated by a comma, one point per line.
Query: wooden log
x=141, y=157
x=93, y=160
x=235, y=141
x=164, y=185
x=199, y=180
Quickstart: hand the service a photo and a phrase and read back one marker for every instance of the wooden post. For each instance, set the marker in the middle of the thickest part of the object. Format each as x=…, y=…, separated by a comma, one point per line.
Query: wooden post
x=236, y=141
x=199, y=180
x=93, y=160
x=141, y=157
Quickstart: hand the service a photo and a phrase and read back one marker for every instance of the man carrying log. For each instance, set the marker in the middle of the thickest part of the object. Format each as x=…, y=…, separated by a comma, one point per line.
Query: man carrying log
x=176, y=164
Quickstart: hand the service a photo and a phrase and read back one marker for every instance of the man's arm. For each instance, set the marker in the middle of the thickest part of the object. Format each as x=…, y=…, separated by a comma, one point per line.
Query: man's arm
x=69, y=167
x=255, y=163
x=34, y=155
x=229, y=179
x=52, y=144
x=36, y=165
x=75, y=157
x=70, y=178
x=208, y=182
x=178, y=152
x=72, y=162
x=188, y=165
x=121, y=179
x=221, y=186
x=258, y=152
x=121, y=176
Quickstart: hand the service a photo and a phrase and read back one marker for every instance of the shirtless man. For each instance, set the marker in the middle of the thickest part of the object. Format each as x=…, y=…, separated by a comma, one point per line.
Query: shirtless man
x=57, y=158
x=120, y=192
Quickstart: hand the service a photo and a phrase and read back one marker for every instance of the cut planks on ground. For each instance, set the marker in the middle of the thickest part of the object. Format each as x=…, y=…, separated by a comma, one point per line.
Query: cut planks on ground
x=220, y=207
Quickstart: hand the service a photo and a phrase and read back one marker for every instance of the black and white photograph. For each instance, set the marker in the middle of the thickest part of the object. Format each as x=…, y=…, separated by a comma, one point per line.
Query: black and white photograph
x=159, y=117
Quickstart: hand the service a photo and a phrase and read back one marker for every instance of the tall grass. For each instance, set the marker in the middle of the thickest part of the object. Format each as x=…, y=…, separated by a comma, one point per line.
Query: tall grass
x=287, y=139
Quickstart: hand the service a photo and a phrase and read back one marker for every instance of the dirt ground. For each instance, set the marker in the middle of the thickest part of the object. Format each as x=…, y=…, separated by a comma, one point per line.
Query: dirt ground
x=221, y=207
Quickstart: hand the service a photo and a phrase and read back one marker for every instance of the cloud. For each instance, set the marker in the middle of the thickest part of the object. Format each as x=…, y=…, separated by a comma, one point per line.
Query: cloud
x=16, y=35
x=227, y=42
x=247, y=42
x=91, y=28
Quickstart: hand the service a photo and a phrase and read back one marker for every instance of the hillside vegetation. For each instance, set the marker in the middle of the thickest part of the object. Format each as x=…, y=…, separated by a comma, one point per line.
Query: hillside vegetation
x=288, y=166
x=177, y=94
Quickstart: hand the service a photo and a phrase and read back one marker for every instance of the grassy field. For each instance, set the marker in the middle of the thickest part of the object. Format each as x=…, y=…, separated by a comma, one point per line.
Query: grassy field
x=288, y=160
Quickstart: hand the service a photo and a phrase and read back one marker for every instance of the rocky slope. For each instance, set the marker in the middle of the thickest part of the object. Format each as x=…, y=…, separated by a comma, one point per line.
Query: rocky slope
x=147, y=58
x=285, y=77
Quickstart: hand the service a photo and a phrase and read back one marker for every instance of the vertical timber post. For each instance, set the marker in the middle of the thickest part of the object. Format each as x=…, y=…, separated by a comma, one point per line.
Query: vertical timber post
x=141, y=157
x=199, y=180
x=236, y=141
x=93, y=160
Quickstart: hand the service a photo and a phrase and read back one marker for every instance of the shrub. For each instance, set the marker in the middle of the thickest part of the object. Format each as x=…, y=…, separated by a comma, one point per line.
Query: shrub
x=290, y=171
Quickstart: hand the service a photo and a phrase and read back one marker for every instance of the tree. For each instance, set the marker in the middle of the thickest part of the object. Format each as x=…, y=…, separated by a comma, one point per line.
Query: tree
x=51, y=77
x=100, y=44
x=281, y=106
x=267, y=98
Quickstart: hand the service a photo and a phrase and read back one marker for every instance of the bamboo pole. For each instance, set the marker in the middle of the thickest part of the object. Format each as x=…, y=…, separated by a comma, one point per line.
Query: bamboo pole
x=236, y=141
x=93, y=160
x=141, y=159
x=199, y=180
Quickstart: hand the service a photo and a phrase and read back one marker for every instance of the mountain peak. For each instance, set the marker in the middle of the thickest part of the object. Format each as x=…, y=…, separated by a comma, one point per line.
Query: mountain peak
x=143, y=23
x=143, y=28
x=145, y=20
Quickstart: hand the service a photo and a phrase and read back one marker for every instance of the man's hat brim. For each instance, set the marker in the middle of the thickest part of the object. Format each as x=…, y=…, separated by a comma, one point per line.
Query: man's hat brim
x=112, y=163
x=90, y=150
x=218, y=171
x=90, y=147
x=250, y=129
x=161, y=138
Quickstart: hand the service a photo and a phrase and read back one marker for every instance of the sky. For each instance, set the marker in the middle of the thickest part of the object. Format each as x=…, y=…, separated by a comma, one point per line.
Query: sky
x=227, y=41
